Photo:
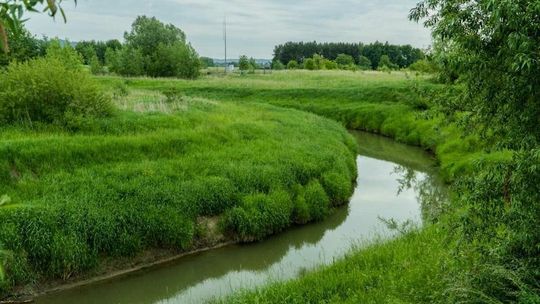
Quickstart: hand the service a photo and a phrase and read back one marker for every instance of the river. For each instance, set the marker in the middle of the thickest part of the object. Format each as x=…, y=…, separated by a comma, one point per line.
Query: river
x=396, y=184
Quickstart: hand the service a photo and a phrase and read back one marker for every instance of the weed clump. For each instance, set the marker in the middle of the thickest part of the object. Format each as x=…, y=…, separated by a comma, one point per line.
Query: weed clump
x=49, y=91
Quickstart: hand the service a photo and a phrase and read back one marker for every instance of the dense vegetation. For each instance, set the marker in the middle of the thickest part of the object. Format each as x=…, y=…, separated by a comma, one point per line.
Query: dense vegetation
x=141, y=178
x=51, y=89
x=401, y=55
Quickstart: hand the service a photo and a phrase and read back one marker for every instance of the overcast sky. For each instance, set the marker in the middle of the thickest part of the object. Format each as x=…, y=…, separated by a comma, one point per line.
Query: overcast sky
x=254, y=26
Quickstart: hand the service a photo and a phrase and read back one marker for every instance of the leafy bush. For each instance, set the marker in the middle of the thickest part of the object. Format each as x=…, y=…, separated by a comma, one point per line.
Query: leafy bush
x=424, y=66
x=364, y=63
x=292, y=65
x=344, y=60
x=48, y=90
x=309, y=64
x=126, y=61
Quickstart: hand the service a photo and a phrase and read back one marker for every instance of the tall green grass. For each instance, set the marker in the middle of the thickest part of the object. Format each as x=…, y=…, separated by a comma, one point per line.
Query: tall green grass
x=140, y=180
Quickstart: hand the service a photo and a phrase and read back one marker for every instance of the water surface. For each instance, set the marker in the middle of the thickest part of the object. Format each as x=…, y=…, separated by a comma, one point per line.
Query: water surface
x=395, y=182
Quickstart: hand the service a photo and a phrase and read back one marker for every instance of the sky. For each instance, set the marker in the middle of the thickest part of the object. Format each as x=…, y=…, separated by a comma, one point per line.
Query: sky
x=254, y=27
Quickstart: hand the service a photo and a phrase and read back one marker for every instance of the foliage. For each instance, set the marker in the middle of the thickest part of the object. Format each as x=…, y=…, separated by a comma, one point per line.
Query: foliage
x=126, y=61
x=403, y=56
x=277, y=65
x=148, y=33
x=243, y=63
x=53, y=89
x=424, y=66
x=292, y=65
x=385, y=63
x=89, y=49
x=309, y=64
x=498, y=59
x=23, y=46
x=95, y=65
x=344, y=60
x=364, y=63
x=154, y=49
x=177, y=60
x=207, y=62
x=492, y=48
x=12, y=13
x=136, y=181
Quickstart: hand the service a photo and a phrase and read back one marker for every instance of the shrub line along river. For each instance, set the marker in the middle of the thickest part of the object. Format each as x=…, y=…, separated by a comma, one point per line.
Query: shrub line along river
x=396, y=184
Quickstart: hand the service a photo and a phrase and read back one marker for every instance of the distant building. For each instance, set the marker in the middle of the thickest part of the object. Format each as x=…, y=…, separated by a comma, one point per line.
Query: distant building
x=230, y=68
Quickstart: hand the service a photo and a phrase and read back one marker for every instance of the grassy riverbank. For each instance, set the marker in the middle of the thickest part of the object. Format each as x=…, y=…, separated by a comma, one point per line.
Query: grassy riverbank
x=397, y=106
x=242, y=147
x=421, y=267
x=146, y=177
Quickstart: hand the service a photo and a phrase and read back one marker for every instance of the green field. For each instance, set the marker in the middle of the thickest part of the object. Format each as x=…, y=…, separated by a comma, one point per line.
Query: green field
x=245, y=150
x=144, y=178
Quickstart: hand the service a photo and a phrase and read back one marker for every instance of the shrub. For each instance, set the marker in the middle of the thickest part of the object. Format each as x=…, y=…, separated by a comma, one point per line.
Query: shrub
x=277, y=65
x=424, y=66
x=126, y=62
x=309, y=64
x=344, y=60
x=386, y=64
x=95, y=66
x=48, y=90
x=292, y=65
x=364, y=63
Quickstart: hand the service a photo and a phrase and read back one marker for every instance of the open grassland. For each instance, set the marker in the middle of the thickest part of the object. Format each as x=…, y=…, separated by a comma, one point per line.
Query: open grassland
x=421, y=267
x=242, y=147
x=145, y=177
x=395, y=105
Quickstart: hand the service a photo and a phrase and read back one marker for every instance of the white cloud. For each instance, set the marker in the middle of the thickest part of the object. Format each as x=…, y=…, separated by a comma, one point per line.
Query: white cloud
x=254, y=26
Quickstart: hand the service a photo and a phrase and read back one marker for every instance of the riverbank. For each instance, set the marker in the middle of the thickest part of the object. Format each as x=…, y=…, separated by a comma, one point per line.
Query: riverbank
x=398, y=183
x=140, y=181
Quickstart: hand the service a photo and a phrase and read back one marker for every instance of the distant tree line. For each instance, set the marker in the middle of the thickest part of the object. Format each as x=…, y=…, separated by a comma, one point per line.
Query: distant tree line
x=402, y=56
x=151, y=48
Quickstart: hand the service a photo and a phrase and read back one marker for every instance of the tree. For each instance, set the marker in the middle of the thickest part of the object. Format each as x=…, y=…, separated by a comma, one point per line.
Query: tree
x=292, y=65
x=277, y=65
x=243, y=63
x=160, y=50
x=148, y=33
x=344, y=60
x=364, y=63
x=23, y=47
x=492, y=46
x=309, y=64
x=253, y=64
x=95, y=65
x=385, y=63
x=207, y=62
x=12, y=13
x=496, y=45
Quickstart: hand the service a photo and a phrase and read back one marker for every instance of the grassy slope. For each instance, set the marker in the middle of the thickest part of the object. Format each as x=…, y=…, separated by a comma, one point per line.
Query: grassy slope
x=141, y=179
x=412, y=269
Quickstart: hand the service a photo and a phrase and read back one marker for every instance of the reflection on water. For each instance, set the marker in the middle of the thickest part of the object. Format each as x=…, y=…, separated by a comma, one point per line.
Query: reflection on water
x=395, y=182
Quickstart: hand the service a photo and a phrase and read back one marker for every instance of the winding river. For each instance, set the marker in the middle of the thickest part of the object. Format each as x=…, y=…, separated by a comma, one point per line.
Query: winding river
x=396, y=183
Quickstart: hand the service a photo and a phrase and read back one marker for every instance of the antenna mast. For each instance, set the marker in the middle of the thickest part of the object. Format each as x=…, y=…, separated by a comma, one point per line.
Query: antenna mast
x=225, y=40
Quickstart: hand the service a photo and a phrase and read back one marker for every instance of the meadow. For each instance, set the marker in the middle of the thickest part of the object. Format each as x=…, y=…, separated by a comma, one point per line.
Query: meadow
x=258, y=152
x=398, y=105
x=146, y=177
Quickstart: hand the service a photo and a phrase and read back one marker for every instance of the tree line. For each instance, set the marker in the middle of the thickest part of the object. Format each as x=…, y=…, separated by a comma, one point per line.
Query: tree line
x=401, y=55
x=151, y=48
